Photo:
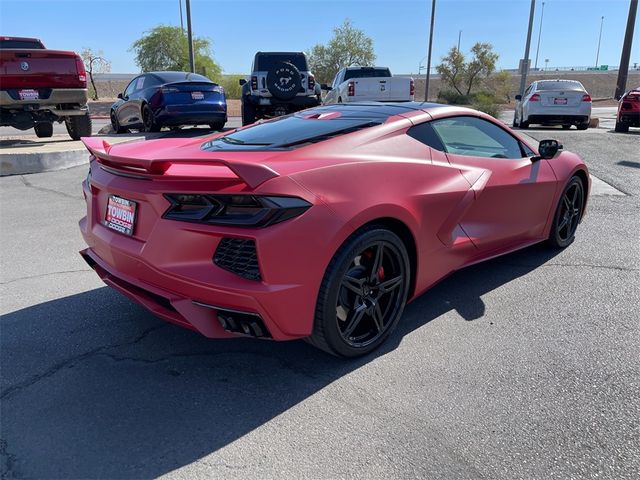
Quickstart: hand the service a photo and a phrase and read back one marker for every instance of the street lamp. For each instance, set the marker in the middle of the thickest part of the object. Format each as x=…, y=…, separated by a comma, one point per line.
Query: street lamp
x=546, y=64
x=535, y=67
x=599, y=38
x=426, y=83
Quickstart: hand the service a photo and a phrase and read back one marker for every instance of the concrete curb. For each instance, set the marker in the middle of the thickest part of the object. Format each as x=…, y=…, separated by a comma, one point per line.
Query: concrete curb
x=36, y=162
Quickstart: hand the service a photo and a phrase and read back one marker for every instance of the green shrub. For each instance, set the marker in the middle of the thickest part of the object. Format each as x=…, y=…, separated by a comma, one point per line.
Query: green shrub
x=486, y=102
x=453, y=98
x=232, y=88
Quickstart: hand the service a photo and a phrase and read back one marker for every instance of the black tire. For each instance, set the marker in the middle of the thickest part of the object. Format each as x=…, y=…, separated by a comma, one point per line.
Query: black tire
x=218, y=126
x=566, y=127
x=148, y=120
x=78, y=126
x=523, y=125
x=582, y=126
x=358, y=309
x=44, y=130
x=115, y=124
x=339, y=99
x=568, y=214
x=283, y=81
x=621, y=127
x=248, y=113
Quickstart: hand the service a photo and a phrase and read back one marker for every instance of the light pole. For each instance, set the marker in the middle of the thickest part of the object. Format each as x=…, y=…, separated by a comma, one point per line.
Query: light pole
x=426, y=84
x=181, y=22
x=539, y=34
x=599, y=39
x=546, y=64
x=459, y=37
x=525, y=63
x=623, y=71
x=192, y=62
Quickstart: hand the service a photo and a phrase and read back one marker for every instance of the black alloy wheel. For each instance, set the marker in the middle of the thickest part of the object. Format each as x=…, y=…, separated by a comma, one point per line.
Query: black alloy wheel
x=568, y=214
x=363, y=294
x=115, y=124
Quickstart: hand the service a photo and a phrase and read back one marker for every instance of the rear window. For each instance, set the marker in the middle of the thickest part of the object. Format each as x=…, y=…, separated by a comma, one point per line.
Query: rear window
x=21, y=44
x=266, y=62
x=562, y=85
x=367, y=73
x=295, y=130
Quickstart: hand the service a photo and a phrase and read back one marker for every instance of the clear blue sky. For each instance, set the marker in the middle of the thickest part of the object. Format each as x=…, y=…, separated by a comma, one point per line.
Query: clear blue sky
x=399, y=28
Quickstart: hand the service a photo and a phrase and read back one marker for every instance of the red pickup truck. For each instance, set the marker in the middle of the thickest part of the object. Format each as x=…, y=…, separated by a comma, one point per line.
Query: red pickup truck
x=40, y=86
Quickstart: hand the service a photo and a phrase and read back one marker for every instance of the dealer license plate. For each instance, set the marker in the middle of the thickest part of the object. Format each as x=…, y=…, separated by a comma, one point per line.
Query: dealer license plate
x=29, y=94
x=559, y=101
x=197, y=95
x=121, y=215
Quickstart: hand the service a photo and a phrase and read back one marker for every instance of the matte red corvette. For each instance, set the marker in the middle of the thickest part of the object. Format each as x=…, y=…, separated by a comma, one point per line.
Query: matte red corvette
x=321, y=224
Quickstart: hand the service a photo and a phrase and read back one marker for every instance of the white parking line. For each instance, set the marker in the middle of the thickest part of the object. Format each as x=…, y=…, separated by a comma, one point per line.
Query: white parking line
x=600, y=188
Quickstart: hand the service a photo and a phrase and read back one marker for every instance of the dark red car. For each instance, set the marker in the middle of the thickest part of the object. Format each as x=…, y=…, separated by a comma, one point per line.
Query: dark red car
x=324, y=223
x=628, y=111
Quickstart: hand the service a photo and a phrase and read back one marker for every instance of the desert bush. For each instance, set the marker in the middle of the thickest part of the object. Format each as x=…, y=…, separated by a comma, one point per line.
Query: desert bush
x=453, y=98
x=486, y=102
x=232, y=88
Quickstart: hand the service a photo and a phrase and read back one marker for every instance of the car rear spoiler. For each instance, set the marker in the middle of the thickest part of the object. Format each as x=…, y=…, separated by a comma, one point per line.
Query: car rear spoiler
x=252, y=174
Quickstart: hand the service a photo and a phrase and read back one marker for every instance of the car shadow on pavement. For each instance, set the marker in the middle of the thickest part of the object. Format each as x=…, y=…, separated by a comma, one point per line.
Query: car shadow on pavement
x=94, y=386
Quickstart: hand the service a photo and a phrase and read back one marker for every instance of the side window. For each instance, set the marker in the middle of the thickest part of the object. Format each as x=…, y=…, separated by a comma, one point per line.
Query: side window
x=140, y=81
x=424, y=133
x=336, y=80
x=130, y=88
x=476, y=137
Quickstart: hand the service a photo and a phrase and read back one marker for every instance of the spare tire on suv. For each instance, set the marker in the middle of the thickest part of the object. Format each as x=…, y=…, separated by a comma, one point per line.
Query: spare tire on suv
x=283, y=81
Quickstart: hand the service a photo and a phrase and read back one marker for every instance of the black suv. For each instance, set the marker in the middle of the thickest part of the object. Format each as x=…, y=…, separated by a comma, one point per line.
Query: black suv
x=280, y=83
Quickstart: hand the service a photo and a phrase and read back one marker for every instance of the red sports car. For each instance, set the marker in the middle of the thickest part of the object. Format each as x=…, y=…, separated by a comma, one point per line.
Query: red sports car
x=628, y=111
x=324, y=223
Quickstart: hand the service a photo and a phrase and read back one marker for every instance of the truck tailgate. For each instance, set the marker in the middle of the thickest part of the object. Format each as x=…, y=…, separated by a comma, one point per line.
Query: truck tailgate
x=382, y=88
x=39, y=69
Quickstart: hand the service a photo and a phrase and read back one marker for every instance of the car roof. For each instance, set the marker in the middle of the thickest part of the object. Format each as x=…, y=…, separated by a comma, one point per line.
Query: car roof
x=169, y=77
x=385, y=108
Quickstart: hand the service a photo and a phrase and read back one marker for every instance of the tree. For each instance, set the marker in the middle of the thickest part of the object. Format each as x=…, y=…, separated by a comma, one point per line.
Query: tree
x=348, y=46
x=94, y=62
x=166, y=48
x=462, y=75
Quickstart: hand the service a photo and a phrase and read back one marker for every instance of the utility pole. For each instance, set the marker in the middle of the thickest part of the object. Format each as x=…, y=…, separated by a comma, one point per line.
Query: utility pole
x=525, y=63
x=181, y=22
x=426, y=84
x=459, y=37
x=192, y=62
x=599, y=39
x=535, y=67
x=621, y=84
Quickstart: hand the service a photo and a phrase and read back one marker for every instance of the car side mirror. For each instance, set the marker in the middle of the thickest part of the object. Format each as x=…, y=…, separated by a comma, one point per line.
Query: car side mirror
x=518, y=97
x=547, y=149
x=120, y=96
x=326, y=87
x=242, y=81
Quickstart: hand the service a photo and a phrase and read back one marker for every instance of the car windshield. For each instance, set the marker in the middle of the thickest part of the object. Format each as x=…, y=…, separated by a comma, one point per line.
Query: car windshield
x=367, y=73
x=290, y=131
x=268, y=61
x=560, y=85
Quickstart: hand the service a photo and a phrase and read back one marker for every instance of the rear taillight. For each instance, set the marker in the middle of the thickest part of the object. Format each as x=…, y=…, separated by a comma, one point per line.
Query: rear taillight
x=254, y=83
x=535, y=98
x=632, y=98
x=586, y=97
x=82, y=73
x=169, y=89
x=236, y=210
x=412, y=88
x=351, y=89
x=312, y=82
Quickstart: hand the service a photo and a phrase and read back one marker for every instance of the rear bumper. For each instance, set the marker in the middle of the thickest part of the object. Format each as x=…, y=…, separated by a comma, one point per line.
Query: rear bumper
x=196, y=114
x=299, y=102
x=50, y=99
x=629, y=118
x=168, y=266
x=558, y=119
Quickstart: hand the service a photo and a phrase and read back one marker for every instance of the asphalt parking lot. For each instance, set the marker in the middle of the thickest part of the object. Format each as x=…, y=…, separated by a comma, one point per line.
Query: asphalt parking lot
x=523, y=367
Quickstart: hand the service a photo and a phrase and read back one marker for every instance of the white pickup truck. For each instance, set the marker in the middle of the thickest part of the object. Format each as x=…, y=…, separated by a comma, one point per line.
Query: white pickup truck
x=358, y=84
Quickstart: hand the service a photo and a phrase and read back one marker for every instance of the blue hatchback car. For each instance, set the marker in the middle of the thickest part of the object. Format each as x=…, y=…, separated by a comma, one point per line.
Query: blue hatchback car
x=157, y=99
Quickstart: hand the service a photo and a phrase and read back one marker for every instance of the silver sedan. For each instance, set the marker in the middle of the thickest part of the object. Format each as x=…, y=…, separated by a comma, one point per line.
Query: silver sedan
x=553, y=102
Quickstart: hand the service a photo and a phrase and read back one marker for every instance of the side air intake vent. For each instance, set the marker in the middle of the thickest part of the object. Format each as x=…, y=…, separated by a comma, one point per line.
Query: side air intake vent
x=238, y=256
